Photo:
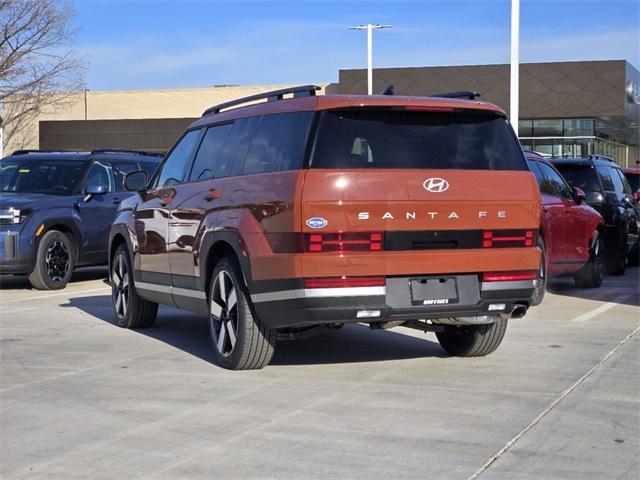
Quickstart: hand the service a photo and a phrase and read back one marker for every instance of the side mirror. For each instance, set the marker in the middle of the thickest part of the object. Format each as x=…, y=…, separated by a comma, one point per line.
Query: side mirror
x=94, y=189
x=579, y=195
x=136, y=181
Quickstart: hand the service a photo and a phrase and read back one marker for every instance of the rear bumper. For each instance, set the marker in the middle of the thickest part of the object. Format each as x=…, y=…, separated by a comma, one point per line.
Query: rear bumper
x=299, y=307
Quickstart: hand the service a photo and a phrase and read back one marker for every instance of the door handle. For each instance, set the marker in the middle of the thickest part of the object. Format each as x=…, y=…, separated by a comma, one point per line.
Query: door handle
x=212, y=194
x=116, y=201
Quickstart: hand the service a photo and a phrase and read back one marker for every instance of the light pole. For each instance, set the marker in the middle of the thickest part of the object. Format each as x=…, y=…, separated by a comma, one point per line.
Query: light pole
x=515, y=65
x=370, y=28
x=85, y=102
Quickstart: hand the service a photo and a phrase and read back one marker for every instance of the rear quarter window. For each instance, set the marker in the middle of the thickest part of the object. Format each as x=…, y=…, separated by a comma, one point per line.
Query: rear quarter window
x=581, y=176
x=278, y=143
x=401, y=139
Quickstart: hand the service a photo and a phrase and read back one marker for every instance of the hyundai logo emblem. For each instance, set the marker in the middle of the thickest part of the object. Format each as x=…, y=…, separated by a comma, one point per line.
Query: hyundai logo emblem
x=435, y=185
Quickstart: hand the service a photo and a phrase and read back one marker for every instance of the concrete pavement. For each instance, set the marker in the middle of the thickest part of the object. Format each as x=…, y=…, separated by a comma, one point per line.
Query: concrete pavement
x=82, y=398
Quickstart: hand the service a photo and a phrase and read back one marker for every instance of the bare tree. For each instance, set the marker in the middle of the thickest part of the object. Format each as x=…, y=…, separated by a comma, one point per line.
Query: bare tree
x=38, y=68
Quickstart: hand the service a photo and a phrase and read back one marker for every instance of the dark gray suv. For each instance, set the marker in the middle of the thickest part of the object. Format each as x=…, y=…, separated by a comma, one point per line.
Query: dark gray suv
x=56, y=209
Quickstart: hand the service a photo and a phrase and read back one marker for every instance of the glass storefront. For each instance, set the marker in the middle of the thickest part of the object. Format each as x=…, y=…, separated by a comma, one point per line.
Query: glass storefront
x=575, y=137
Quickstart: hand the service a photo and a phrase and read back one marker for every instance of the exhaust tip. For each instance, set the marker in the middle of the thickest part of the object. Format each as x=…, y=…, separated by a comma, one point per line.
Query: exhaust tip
x=518, y=311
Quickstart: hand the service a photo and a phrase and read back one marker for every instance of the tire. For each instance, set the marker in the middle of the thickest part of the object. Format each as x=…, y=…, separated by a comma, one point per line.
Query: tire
x=633, y=258
x=592, y=274
x=541, y=281
x=238, y=339
x=472, y=340
x=129, y=308
x=617, y=261
x=55, y=261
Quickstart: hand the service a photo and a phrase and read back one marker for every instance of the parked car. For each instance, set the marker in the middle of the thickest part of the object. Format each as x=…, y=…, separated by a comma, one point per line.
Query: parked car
x=633, y=177
x=570, y=232
x=290, y=214
x=608, y=191
x=56, y=209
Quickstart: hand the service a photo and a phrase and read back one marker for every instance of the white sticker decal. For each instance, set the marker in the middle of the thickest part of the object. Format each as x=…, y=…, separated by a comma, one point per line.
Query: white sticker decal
x=316, y=222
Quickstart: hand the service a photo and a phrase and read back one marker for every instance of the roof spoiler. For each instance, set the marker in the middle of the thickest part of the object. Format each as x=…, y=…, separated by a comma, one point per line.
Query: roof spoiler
x=275, y=95
x=468, y=94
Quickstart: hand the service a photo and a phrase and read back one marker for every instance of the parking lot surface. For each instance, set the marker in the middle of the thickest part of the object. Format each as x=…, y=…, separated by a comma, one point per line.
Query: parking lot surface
x=82, y=398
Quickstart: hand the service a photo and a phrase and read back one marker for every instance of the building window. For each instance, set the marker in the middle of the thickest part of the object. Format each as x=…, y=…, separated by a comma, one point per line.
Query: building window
x=525, y=128
x=579, y=127
x=547, y=128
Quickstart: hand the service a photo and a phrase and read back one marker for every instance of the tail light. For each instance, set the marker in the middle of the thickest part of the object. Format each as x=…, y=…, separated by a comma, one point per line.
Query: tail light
x=508, y=238
x=344, y=282
x=344, y=242
x=508, y=276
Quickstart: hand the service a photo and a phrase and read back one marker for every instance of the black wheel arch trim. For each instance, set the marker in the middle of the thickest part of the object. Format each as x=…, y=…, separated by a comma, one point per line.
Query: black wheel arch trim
x=234, y=240
x=122, y=231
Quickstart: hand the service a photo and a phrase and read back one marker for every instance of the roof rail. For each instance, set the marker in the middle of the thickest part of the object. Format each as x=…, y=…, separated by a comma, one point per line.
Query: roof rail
x=468, y=94
x=302, y=91
x=601, y=157
x=125, y=150
x=34, y=150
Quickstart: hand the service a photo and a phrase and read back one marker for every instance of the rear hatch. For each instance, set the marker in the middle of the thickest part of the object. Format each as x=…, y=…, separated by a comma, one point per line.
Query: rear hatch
x=398, y=180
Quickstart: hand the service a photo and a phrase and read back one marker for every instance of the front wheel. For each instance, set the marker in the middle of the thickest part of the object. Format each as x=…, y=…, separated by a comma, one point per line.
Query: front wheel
x=240, y=341
x=592, y=274
x=55, y=261
x=472, y=340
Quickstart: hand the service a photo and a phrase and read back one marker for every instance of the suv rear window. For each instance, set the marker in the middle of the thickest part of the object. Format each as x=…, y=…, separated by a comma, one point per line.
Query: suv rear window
x=401, y=139
x=581, y=176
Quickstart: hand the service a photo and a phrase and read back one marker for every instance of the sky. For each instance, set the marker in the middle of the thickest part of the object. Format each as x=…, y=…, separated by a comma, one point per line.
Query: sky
x=144, y=44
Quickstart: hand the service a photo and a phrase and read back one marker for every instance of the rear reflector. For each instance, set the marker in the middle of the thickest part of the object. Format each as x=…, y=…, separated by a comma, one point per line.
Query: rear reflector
x=508, y=276
x=344, y=282
x=344, y=242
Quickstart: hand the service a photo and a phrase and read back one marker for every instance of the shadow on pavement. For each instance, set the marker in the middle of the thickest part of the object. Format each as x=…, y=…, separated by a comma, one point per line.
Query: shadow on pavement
x=20, y=282
x=612, y=288
x=353, y=343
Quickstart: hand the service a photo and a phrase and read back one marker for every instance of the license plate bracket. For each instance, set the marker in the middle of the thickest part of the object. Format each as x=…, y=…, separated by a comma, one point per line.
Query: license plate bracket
x=434, y=291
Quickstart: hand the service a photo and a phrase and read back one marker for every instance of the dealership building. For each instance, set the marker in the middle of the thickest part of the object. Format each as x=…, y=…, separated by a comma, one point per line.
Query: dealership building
x=566, y=108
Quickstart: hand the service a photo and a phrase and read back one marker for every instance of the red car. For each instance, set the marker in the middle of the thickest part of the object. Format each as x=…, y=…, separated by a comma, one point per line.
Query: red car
x=569, y=232
x=633, y=177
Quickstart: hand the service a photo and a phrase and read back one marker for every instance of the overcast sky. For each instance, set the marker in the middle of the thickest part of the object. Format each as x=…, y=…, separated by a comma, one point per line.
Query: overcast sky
x=140, y=44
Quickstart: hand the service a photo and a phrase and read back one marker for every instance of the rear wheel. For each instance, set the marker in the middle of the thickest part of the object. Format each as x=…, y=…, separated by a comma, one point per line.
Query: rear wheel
x=239, y=339
x=617, y=261
x=472, y=340
x=55, y=261
x=131, y=310
x=592, y=273
x=541, y=281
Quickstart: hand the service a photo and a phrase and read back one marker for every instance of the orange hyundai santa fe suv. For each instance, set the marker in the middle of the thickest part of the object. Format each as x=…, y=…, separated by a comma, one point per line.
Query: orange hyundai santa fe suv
x=277, y=218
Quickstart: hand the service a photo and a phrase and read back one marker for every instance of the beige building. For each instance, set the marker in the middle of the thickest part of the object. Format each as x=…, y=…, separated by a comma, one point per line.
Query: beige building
x=141, y=119
x=566, y=108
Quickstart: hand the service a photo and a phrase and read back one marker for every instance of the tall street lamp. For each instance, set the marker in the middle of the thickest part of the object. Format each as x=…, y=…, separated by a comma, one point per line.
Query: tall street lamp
x=370, y=28
x=515, y=65
x=85, y=102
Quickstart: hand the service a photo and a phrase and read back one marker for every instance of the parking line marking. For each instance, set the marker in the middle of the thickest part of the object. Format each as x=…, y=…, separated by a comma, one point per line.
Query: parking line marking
x=68, y=292
x=585, y=317
x=550, y=407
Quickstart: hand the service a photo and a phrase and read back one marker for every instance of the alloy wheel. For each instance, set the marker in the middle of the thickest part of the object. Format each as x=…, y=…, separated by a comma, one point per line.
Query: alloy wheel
x=57, y=261
x=224, y=313
x=120, y=285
